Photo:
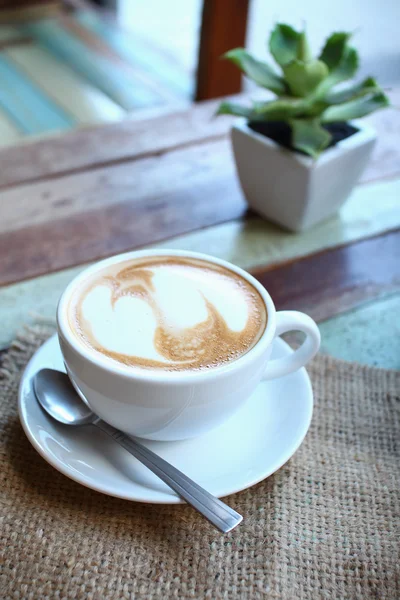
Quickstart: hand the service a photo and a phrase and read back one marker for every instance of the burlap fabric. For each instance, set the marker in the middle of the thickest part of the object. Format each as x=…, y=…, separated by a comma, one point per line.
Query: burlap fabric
x=325, y=526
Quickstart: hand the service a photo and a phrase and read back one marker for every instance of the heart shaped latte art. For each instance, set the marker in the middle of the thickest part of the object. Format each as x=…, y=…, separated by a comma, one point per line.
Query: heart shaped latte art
x=170, y=314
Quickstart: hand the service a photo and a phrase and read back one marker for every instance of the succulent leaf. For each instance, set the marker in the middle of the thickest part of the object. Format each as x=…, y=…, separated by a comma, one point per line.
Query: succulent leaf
x=343, y=71
x=279, y=110
x=309, y=136
x=303, y=48
x=231, y=108
x=304, y=77
x=260, y=72
x=354, y=109
x=334, y=49
x=362, y=88
x=283, y=44
x=307, y=97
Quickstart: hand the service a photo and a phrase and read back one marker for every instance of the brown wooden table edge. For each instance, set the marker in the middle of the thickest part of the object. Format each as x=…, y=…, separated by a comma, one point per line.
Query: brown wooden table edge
x=51, y=156
x=259, y=270
x=116, y=162
x=335, y=280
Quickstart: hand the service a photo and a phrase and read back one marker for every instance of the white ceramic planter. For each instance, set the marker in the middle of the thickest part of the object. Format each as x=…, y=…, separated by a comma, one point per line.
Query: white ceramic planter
x=292, y=189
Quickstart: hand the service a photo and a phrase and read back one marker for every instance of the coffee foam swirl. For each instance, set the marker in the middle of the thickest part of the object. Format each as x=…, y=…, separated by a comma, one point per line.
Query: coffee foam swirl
x=168, y=313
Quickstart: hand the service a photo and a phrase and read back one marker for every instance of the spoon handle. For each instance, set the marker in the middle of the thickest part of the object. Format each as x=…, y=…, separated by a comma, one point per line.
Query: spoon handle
x=218, y=513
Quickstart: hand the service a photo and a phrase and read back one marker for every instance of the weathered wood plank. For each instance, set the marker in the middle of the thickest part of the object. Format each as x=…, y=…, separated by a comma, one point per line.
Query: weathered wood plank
x=132, y=139
x=138, y=53
x=8, y=33
x=102, y=72
x=162, y=177
x=365, y=334
x=109, y=144
x=77, y=218
x=9, y=132
x=9, y=36
x=10, y=13
x=99, y=46
x=26, y=104
x=335, y=280
x=85, y=103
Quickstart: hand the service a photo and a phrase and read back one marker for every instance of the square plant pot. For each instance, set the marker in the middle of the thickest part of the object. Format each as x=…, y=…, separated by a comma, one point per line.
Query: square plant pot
x=293, y=189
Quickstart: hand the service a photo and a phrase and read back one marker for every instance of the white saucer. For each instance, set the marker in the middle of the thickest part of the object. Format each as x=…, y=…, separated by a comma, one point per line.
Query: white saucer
x=249, y=447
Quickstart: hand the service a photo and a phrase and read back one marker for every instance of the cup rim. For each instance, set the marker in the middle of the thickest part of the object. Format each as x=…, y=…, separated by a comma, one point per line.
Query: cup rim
x=158, y=375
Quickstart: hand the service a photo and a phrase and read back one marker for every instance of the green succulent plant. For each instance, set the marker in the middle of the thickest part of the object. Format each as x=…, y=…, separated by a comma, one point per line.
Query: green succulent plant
x=307, y=96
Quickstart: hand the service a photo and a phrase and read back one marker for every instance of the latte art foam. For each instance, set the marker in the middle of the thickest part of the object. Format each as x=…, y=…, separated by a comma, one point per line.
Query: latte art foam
x=168, y=313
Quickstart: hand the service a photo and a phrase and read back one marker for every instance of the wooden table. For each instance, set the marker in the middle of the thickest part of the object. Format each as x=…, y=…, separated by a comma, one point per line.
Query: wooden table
x=169, y=181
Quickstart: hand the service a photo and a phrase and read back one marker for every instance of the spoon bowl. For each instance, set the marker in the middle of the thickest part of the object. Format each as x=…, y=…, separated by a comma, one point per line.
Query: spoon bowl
x=55, y=394
x=58, y=398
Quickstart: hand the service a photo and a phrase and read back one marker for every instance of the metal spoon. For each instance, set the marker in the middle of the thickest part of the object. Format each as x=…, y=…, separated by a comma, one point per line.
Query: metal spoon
x=59, y=399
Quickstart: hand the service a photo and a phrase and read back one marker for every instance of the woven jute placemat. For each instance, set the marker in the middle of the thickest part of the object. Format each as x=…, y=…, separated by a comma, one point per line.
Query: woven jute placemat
x=325, y=526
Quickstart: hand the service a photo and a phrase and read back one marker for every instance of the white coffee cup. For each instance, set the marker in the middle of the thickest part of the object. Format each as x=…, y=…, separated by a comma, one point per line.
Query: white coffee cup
x=174, y=405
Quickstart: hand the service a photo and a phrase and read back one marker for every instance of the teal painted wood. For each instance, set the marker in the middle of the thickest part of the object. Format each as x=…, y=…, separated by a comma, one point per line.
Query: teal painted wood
x=369, y=334
x=132, y=50
x=101, y=72
x=27, y=106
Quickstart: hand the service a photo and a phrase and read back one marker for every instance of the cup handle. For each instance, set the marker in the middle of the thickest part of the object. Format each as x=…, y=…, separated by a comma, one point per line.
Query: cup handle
x=291, y=320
